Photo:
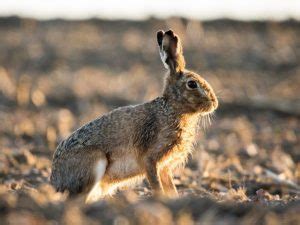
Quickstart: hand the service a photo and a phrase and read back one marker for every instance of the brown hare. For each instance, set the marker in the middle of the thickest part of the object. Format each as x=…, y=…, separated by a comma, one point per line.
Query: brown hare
x=147, y=140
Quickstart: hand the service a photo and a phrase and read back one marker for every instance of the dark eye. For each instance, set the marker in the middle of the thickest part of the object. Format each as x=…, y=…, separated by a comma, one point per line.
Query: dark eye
x=192, y=84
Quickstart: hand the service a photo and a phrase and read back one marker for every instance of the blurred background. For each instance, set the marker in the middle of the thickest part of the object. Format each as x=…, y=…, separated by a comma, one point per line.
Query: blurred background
x=64, y=63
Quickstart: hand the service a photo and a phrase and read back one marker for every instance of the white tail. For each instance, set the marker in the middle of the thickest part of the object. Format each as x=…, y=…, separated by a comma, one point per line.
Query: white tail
x=96, y=192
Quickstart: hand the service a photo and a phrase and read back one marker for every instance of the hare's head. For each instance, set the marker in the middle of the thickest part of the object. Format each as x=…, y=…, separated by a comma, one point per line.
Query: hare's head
x=187, y=89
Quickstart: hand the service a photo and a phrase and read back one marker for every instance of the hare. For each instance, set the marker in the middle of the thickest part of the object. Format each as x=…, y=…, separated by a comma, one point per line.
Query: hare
x=130, y=143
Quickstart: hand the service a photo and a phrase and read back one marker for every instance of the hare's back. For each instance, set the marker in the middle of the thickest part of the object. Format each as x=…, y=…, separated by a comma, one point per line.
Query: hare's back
x=106, y=132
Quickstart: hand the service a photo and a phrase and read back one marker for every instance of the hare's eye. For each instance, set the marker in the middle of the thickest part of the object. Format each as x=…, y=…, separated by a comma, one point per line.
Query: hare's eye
x=192, y=84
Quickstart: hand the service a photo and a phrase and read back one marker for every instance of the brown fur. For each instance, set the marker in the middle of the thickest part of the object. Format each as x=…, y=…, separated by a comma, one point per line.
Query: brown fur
x=147, y=140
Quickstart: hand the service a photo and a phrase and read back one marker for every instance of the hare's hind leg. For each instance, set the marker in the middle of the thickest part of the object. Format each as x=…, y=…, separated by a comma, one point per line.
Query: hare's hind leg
x=96, y=192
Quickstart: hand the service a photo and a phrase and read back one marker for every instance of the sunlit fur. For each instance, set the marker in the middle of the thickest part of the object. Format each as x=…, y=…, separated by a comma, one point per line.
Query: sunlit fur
x=147, y=140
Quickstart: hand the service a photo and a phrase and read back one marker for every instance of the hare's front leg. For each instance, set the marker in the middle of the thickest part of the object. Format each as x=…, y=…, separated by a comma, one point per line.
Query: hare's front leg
x=167, y=182
x=153, y=175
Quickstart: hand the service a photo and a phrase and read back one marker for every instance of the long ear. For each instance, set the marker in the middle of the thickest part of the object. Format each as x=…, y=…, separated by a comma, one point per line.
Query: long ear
x=170, y=50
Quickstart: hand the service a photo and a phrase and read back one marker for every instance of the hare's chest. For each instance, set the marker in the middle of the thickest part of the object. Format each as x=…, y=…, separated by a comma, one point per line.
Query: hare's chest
x=186, y=136
x=178, y=153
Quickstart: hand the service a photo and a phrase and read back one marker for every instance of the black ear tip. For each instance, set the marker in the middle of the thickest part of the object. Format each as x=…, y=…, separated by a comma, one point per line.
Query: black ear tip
x=170, y=33
x=160, y=35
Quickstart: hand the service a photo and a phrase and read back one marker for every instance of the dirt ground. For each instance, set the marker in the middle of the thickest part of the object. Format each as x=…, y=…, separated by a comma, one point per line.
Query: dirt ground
x=56, y=75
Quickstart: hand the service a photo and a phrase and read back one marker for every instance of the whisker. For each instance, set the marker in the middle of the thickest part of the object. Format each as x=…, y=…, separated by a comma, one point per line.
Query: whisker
x=205, y=122
x=213, y=115
x=209, y=120
x=221, y=94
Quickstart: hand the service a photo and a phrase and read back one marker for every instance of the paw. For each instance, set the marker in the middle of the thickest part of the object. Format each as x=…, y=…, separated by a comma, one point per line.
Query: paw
x=172, y=194
x=158, y=194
